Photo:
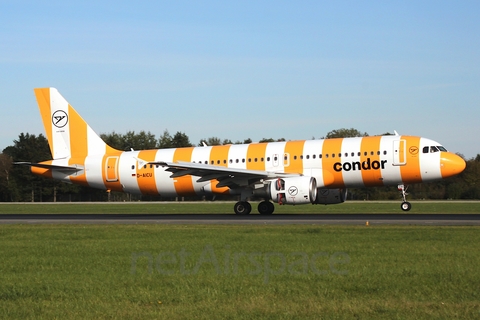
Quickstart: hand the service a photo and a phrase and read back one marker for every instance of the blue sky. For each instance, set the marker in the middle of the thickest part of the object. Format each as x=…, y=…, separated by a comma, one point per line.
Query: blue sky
x=247, y=69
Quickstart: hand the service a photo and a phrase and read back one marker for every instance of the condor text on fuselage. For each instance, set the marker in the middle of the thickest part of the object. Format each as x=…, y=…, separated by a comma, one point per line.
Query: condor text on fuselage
x=357, y=165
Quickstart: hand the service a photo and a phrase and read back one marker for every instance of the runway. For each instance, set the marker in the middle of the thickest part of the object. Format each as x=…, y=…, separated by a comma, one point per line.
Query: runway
x=254, y=219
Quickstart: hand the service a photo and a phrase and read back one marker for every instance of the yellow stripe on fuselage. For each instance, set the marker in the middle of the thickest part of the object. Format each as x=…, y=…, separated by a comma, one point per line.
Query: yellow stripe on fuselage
x=218, y=157
x=78, y=144
x=411, y=171
x=146, y=174
x=294, y=150
x=183, y=185
x=255, y=154
x=369, y=157
x=332, y=148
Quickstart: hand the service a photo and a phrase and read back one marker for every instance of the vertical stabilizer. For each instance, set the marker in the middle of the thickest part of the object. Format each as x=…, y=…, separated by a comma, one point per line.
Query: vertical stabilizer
x=69, y=136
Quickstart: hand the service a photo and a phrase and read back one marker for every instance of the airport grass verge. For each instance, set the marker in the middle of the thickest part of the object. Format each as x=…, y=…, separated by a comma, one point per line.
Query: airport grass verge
x=238, y=272
x=203, y=207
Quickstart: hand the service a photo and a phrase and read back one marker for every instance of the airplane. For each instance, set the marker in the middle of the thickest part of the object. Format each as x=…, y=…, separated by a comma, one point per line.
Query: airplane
x=287, y=172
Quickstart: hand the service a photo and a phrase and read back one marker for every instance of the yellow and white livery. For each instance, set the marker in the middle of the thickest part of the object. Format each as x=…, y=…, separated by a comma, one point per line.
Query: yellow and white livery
x=291, y=172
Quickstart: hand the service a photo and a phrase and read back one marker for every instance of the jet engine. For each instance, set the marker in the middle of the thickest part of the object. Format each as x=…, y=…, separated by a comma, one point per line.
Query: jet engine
x=295, y=190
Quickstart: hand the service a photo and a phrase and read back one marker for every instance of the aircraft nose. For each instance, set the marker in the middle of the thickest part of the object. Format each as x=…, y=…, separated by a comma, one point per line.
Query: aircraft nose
x=451, y=164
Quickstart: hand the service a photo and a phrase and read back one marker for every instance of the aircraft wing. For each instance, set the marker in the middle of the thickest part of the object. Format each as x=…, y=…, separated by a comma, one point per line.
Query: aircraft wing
x=226, y=177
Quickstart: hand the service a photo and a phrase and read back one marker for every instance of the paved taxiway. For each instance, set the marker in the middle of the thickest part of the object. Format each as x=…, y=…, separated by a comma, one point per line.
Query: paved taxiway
x=254, y=219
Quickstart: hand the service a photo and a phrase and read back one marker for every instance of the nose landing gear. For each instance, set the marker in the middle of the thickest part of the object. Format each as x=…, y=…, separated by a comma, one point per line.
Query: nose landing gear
x=405, y=206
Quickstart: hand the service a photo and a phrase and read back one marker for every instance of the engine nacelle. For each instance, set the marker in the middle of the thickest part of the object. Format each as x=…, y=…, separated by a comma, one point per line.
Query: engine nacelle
x=295, y=190
x=331, y=196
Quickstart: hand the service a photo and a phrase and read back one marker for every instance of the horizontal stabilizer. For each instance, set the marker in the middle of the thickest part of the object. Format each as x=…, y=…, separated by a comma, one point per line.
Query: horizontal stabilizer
x=70, y=169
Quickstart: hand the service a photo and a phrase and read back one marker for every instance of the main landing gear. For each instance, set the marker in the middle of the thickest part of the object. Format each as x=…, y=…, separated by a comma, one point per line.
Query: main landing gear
x=244, y=207
x=265, y=207
x=406, y=206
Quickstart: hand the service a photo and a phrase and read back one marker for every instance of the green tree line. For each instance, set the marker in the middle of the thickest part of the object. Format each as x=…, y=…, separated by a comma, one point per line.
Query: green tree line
x=18, y=184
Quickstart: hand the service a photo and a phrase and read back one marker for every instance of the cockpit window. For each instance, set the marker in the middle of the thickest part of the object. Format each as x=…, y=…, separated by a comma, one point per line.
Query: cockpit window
x=433, y=149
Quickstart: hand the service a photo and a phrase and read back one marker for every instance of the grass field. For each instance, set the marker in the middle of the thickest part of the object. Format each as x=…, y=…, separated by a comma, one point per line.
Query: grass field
x=238, y=272
x=227, y=207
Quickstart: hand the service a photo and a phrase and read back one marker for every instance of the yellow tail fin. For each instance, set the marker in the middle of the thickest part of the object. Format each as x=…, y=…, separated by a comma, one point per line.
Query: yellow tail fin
x=69, y=136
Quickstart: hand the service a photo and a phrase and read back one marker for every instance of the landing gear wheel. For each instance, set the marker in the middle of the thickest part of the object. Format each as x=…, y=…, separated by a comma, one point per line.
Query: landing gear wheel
x=271, y=207
x=242, y=207
x=266, y=207
x=406, y=206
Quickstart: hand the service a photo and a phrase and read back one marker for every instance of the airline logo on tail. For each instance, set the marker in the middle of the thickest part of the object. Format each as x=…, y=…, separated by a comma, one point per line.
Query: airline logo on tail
x=59, y=119
x=288, y=172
